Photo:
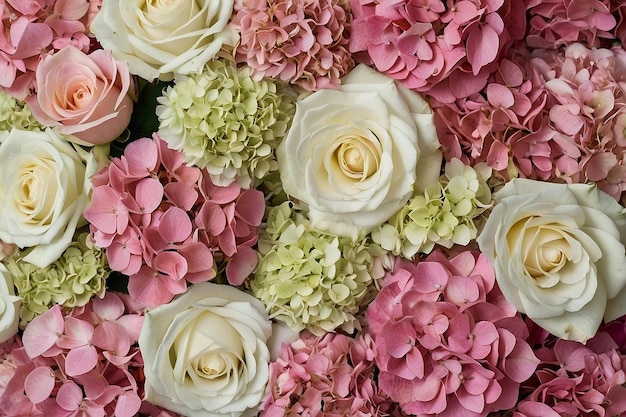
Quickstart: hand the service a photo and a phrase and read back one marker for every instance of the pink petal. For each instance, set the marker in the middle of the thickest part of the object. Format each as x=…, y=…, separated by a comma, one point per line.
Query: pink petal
x=566, y=118
x=499, y=96
x=482, y=47
x=39, y=384
x=171, y=264
x=474, y=403
x=81, y=360
x=149, y=194
x=77, y=333
x=241, y=265
x=461, y=290
x=111, y=307
x=112, y=337
x=599, y=165
x=105, y=211
x=211, y=217
x=69, y=396
x=181, y=195
x=43, y=332
x=127, y=405
x=175, y=225
x=199, y=257
x=250, y=207
x=141, y=157
x=150, y=288
x=521, y=363
x=29, y=38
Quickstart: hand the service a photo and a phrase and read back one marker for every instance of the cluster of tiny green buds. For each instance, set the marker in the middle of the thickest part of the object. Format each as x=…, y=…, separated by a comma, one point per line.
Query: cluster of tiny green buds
x=442, y=215
x=71, y=281
x=310, y=279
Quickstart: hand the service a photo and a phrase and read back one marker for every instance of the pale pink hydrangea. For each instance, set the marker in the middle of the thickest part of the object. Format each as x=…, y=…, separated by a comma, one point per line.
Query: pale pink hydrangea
x=552, y=115
x=329, y=375
x=304, y=42
x=446, y=49
x=448, y=343
x=165, y=224
x=500, y=124
x=576, y=380
x=84, y=362
x=37, y=27
x=554, y=23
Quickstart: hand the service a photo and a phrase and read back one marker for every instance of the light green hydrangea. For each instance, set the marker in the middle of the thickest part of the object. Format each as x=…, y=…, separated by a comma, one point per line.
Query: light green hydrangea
x=442, y=215
x=71, y=281
x=310, y=279
x=226, y=122
x=15, y=114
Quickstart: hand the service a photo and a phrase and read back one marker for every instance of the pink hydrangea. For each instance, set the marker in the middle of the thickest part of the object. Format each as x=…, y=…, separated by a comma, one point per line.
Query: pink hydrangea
x=554, y=23
x=447, y=342
x=556, y=115
x=165, y=224
x=304, y=42
x=576, y=380
x=84, y=362
x=445, y=49
x=500, y=124
x=329, y=375
x=34, y=28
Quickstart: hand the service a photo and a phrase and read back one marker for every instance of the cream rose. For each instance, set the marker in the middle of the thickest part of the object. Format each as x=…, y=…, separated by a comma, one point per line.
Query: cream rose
x=9, y=306
x=356, y=155
x=161, y=37
x=206, y=352
x=558, y=252
x=83, y=95
x=45, y=187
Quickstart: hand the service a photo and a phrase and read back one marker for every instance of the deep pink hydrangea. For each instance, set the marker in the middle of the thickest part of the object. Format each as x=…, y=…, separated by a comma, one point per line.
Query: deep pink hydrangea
x=446, y=49
x=554, y=23
x=576, y=380
x=84, y=362
x=37, y=27
x=165, y=224
x=448, y=343
x=304, y=42
x=329, y=375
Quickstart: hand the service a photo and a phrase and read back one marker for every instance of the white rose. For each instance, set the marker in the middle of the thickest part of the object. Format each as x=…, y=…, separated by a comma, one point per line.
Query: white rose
x=355, y=155
x=206, y=352
x=9, y=306
x=45, y=187
x=158, y=38
x=558, y=252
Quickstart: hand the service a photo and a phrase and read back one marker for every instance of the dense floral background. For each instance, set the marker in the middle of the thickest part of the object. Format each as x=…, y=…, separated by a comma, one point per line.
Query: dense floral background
x=277, y=208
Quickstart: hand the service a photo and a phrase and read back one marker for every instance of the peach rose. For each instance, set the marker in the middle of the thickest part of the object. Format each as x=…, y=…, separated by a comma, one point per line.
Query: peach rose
x=83, y=95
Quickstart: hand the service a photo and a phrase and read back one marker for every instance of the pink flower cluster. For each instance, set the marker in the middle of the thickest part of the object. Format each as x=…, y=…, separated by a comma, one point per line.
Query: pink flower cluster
x=33, y=28
x=85, y=362
x=445, y=48
x=448, y=343
x=165, y=223
x=577, y=380
x=304, y=42
x=329, y=375
x=558, y=115
x=554, y=23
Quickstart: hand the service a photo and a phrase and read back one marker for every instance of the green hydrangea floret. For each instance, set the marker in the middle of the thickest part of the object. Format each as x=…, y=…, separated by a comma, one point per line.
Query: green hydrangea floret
x=310, y=279
x=444, y=214
x=225, y=121
x=15, y=114
x=71, y=281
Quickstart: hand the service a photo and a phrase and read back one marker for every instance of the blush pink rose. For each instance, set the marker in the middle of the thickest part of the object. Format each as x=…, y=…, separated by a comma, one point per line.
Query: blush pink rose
x=83, y=95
